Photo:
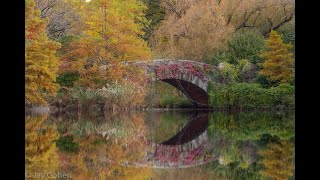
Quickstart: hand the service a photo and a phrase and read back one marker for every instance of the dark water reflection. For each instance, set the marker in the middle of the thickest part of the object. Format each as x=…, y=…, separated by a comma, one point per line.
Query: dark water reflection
x=161, y=145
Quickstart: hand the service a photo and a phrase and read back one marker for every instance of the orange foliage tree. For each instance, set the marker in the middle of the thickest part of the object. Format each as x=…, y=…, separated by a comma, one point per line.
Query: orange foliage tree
x=40, y=58
x=113, y=33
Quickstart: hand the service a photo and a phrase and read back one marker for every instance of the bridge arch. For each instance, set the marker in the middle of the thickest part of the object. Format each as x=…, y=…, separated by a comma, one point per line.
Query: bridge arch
x=190, y=77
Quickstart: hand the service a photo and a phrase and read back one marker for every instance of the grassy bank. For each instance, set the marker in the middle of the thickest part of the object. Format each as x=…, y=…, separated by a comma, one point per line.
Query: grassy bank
x=120, y=97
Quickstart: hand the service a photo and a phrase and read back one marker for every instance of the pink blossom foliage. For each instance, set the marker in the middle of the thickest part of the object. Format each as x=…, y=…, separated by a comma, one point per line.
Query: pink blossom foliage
x=169, y=71
x=191, y=69
x=192, y=155
x=172, y=71
x=171, y=154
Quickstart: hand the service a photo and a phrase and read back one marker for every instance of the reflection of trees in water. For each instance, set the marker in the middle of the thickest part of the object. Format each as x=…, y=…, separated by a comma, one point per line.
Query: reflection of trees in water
x=40, y=147
x=194, y=173
x=277, y=160
x=126, y=150
x=113, y=125
x=235, y=171
x=104, y=153
x=250, y=125
x=109, y=145
x=263, y=167
x=238, y=137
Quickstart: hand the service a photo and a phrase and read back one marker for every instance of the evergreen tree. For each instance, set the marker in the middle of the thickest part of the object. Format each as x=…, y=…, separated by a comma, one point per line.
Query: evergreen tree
x=278, y=64
x=40, y=59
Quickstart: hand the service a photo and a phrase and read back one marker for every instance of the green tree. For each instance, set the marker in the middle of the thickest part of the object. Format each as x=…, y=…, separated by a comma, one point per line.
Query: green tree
x=155, y=14
x=245, y=45
x=40, y=58
x=243, y=50
x=288, y=35
x=278, y=64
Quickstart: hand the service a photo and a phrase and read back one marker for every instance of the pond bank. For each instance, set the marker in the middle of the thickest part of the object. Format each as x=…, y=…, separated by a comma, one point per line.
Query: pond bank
x=38, y=110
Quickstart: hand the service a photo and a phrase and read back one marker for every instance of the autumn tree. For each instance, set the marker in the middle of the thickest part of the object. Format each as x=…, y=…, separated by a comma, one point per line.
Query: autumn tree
x=278, y=64
x=113, y=34
x=278, y=160
x=262, y=15
x=40, y=145
x=191, y=29
x=40, y=58
x=63, y=16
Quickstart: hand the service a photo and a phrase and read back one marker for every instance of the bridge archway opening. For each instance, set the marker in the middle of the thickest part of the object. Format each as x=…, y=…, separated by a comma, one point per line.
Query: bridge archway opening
x=197, y=95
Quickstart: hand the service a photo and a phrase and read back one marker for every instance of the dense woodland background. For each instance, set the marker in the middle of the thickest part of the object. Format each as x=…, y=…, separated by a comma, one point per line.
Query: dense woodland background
x=67, y=41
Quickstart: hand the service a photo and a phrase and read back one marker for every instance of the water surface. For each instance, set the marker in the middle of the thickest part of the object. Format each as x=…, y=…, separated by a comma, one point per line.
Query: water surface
x=161, y=145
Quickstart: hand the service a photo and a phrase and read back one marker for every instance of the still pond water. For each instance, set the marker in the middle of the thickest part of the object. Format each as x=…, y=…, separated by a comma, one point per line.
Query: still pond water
x=161, y=144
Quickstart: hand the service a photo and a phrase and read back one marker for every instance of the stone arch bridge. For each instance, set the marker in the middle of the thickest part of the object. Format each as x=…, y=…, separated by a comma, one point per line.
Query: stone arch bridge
x=190, y=77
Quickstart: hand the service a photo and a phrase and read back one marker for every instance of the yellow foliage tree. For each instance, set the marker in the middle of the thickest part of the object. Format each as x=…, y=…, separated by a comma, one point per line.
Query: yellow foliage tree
x=120, y=24
x=278, y=160
x=40, y=59
x=40, y=147
x=278, y=64
x=113, y=33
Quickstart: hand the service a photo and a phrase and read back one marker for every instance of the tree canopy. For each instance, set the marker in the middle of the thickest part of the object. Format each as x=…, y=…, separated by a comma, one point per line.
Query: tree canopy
x=40, y=58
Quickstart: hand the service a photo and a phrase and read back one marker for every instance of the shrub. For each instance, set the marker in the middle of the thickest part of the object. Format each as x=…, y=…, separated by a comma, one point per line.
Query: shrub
x=161, y=94
x=218, y=95
x=285, y=94
x=67, y=144
x=250, y=96
x=122, y=95
x=226, y=73
x=265, y=83
x=244, y=95
x=168, y=100
x=247, y=71
x=68, y=79
x=84, y=96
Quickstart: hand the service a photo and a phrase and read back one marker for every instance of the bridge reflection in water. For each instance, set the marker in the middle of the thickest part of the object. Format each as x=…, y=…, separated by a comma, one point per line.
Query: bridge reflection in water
x=188, y=148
